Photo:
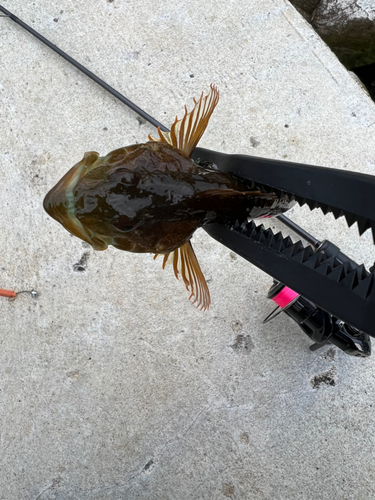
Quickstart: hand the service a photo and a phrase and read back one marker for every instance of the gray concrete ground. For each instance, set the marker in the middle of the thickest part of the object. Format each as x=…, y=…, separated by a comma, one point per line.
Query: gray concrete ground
x=112, y=386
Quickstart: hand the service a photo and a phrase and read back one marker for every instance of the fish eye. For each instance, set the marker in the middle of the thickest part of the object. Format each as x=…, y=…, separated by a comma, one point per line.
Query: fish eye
x=129, y=178
x=124, y=176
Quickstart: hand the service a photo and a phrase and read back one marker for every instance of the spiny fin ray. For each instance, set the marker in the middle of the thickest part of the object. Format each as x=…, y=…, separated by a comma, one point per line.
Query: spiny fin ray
x=186, y=133
x=185, y=263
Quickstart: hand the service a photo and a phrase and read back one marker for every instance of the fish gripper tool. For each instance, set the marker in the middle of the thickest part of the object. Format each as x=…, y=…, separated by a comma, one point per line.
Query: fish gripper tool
x=319, y=273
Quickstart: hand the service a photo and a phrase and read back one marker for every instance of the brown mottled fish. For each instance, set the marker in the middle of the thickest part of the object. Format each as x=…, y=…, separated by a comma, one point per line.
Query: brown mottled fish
x=152, y=197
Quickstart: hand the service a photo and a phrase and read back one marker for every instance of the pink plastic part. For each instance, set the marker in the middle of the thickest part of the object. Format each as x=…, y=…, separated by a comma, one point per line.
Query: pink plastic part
x=285, y=297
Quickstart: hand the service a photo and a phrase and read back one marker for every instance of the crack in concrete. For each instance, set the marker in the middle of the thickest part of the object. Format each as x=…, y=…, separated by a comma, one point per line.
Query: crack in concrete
x=153, y=460
x=42, y=493
x=55, y=482
x=283, y=12
x=304, y=39
x=325, y=67
x=177, y=437
x=205, y=378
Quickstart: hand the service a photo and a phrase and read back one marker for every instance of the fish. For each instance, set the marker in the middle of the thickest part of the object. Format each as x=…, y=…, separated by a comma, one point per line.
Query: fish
x=152, y=197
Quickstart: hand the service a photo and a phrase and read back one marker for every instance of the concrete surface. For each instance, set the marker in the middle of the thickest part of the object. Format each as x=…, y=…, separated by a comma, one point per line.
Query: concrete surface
x=112, y=385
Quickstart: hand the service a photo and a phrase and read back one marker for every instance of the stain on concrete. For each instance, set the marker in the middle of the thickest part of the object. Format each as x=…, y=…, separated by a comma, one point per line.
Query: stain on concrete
x=330, y=354
x=73, y=375
x=141, y=120
x=245, y=438
x=148, y=468
x=233, y=256
x=236, y=326
x=243, y=344
x=82, y=263
x=325, y=378
x=254, y=142
x=228, y=490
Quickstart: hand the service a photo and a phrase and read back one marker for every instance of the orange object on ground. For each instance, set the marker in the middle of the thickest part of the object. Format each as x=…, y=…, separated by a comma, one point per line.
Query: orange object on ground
x=7, y=293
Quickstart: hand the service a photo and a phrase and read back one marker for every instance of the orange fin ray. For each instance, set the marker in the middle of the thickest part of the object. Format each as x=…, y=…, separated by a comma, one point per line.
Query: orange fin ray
x=186, y=133
x=185, y=263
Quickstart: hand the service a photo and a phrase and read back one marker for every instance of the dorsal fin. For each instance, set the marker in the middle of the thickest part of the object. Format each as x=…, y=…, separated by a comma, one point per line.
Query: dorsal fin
x=186, y=133
x=185, y=263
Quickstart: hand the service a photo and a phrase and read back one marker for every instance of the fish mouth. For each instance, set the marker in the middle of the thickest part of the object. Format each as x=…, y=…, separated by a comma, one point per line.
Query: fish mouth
x=59, y=202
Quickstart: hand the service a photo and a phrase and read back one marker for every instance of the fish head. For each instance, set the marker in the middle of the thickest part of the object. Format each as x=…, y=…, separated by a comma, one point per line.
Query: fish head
x=59, y=202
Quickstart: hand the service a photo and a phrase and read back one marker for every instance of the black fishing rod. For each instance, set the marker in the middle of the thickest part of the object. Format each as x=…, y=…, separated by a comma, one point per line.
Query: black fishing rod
x=84, y=70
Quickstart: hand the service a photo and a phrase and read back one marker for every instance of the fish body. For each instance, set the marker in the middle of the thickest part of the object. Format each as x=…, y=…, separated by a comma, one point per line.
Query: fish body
x=148, y=198
x=152, y=197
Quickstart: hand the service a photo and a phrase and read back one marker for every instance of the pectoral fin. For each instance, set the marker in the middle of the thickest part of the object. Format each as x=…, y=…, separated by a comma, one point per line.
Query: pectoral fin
x=186, y=133
x=186, y=264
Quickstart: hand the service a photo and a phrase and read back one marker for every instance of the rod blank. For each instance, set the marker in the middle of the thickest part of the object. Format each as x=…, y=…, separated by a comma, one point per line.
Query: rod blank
x=84, y=70
x=299, y=230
